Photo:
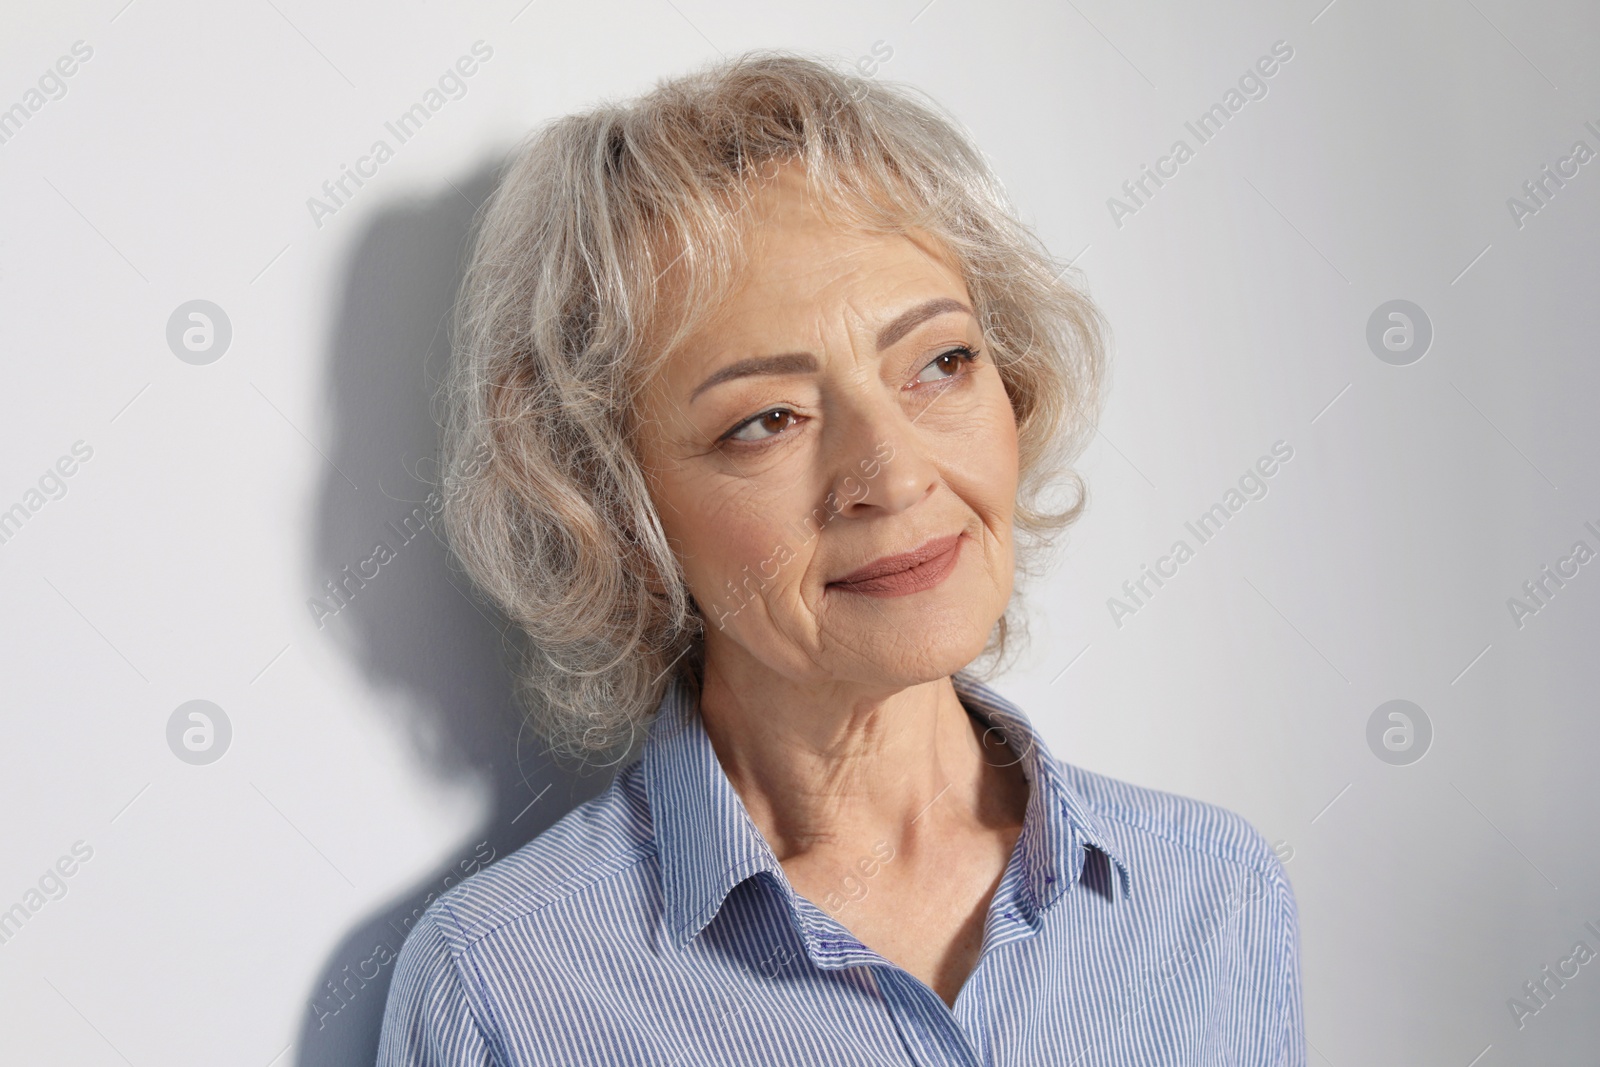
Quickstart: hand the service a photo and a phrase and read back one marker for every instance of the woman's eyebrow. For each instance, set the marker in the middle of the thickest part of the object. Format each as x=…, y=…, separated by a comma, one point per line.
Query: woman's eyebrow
x=910, y=320
x=806, y=363
x=787, y=363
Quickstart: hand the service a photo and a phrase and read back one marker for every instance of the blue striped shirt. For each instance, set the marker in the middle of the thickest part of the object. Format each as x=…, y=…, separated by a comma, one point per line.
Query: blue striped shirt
x=654, y=925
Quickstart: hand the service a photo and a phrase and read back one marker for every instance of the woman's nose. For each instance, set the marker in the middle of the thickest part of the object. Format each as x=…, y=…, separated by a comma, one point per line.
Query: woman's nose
x=881, y=463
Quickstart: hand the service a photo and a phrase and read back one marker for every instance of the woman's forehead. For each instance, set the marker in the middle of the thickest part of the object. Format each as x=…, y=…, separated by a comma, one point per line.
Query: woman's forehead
x=816, y=278
x=802, y=251
x=808, y=260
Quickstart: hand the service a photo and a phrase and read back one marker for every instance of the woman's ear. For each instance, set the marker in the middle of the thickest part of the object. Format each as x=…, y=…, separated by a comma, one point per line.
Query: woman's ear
x=654, y=585
x=640, y=563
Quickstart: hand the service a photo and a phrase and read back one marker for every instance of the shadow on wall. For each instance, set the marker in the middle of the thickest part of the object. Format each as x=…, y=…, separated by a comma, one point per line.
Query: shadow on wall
x=417, y=629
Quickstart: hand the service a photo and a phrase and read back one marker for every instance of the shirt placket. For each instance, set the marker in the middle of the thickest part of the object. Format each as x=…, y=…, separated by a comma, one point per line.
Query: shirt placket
x=927, y=1028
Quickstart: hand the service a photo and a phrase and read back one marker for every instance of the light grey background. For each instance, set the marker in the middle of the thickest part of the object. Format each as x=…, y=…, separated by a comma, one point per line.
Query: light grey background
x=371, y=755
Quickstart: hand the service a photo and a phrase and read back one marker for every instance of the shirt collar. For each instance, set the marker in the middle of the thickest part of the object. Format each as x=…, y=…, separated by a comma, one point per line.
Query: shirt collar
x=1060, y=830
x=705, y=838
x=708, y=844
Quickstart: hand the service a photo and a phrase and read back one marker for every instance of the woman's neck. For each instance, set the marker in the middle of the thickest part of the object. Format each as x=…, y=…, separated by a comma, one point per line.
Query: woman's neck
x=827, y=766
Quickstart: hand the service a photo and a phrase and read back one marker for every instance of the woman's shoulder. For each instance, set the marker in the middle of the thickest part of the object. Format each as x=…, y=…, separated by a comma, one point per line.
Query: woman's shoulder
x=602, y=839
x=565, y=883
x=1153, y=821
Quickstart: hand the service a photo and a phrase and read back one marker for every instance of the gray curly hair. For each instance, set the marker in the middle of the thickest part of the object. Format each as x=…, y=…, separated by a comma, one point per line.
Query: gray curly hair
x=564, y=316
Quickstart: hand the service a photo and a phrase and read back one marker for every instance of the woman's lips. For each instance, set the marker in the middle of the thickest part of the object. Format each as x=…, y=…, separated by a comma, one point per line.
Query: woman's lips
x=909, y=572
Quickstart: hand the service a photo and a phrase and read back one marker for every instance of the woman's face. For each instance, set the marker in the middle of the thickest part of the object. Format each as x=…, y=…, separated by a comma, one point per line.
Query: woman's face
x=842, y=407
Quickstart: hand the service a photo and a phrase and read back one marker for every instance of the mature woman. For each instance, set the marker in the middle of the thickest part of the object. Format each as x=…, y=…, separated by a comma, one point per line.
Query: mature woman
x=765, y=382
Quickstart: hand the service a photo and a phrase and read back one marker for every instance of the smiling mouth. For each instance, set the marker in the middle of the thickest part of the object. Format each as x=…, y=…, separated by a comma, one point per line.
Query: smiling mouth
x=909, y=572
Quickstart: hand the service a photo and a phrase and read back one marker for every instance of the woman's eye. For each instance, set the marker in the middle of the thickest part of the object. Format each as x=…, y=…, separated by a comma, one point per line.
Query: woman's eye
x=764, y=426
x=947, y=364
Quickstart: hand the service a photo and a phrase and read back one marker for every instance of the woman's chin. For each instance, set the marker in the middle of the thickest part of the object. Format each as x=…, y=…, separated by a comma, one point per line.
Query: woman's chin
x=895, y=654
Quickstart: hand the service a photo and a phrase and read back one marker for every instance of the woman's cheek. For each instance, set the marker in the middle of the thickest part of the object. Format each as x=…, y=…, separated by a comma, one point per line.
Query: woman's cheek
x=984, y=446
x=998, y=424
x=743, y=555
